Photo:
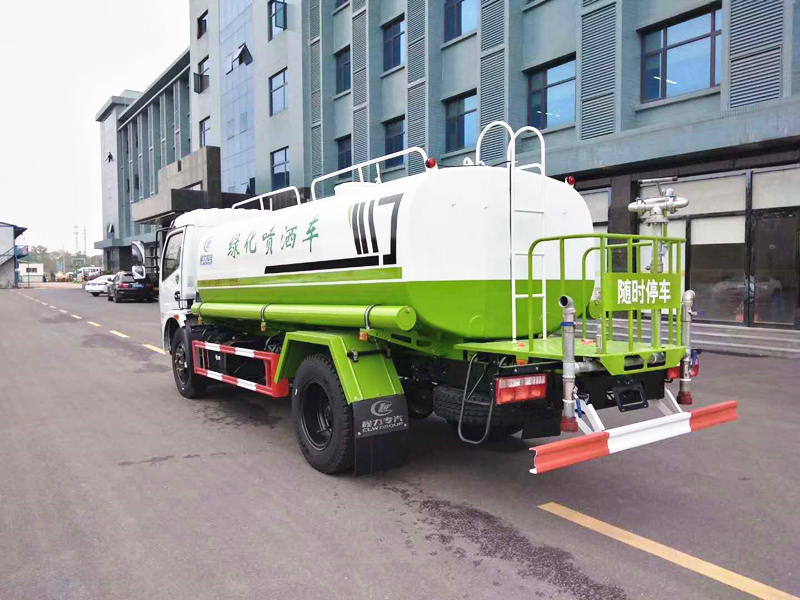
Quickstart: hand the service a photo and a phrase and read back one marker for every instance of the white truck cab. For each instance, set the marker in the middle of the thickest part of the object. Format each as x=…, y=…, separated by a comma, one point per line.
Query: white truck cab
x=179, y=262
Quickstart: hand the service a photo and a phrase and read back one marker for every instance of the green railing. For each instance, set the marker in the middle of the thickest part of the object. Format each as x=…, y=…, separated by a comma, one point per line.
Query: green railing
x=635, y=291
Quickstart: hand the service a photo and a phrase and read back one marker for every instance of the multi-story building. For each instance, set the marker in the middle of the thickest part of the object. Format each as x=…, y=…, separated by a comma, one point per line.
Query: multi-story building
x=704, y=91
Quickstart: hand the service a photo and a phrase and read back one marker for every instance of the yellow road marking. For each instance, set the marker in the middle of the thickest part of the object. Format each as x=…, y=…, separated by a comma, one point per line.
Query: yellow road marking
x=154, y=348
x=93, y=324
x=117, y=333
x=744, y=584
x=75, y=316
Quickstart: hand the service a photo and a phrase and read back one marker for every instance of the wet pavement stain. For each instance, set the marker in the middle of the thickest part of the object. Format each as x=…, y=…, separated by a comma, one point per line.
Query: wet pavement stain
x=128, y=351
x=495, y=538
x=57, y=319
x=236, y=412
x=150, y=461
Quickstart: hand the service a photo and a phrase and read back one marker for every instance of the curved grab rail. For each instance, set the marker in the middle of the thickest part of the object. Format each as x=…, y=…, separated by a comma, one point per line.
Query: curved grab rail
x=512, y=148
x=503, y=124
x=269, y=195
x=367, y=163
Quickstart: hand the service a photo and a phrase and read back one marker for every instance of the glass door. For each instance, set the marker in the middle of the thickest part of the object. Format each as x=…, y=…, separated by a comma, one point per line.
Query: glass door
x=775, y=271
x=717, y=268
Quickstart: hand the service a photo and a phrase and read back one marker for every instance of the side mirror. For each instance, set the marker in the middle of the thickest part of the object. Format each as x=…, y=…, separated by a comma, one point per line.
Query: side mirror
x=177, y=296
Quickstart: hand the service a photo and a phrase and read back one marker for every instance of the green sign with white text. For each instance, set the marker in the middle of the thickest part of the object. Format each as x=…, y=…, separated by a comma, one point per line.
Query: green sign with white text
x=641, y=291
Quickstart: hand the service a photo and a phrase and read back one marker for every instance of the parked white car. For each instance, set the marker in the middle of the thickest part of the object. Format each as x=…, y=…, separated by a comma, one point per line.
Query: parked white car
x=98, y=285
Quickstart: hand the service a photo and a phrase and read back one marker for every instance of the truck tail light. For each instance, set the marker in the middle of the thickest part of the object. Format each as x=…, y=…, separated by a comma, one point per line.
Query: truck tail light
x=519, y=389
x=675, y=372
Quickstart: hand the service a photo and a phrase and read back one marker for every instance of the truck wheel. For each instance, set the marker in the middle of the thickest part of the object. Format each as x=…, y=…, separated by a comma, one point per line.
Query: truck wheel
x=506, y=419
x=190, y=384
x=419, y=399
x=323, y=421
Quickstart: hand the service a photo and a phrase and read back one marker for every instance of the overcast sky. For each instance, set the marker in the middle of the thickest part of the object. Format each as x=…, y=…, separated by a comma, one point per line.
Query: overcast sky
x=63, y=60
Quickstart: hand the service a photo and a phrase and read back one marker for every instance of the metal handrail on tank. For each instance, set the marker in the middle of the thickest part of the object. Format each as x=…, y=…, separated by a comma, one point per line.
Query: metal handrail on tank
x=269, y=195
x=367, y=163
x=511, y=165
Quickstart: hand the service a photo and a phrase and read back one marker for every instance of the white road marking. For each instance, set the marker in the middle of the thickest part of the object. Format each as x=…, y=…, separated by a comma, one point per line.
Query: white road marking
x=154, y=348
x=118, y=334
x=51, y=306
x=93, y=324
x=62, y=310
x=75, y=316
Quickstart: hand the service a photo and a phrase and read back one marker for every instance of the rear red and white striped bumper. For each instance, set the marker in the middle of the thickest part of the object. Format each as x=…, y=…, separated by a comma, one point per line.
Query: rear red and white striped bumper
x=594, y=445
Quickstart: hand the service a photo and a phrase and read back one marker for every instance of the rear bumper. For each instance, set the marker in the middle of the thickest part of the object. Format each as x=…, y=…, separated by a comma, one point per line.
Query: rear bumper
x=134, y=294
x=564, y=453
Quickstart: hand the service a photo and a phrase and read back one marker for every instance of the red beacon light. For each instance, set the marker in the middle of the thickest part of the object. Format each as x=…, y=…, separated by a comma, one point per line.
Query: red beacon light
x=570, y=180
x=430, y=163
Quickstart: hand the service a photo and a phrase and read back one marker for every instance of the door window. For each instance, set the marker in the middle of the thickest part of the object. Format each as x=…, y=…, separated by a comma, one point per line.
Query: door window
x=172, y=255
x=717, y=264
x=774, y=281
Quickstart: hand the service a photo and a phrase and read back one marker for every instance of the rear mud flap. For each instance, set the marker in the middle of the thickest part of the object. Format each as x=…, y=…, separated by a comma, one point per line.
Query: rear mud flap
x=381, y=432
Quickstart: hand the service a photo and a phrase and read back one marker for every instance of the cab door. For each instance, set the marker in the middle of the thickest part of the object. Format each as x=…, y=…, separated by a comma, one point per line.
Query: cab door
x=171, y=274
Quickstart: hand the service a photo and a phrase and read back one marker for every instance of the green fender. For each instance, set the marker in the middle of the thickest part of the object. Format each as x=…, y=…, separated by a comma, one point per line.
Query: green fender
x=372, y=375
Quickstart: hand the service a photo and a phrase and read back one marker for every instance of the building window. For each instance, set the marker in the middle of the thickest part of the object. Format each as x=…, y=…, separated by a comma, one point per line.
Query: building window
x=462, y=122
x=394, y=44
x=279, y=161
x=682, y=57
x=343, y=70
x=395, y=136
x=201, y=78
x=278, y=92
x=243, y=126
x=277, y=17
x=205, y=129
x=460, y=17
x=344, y=150
x=551, y=96
x=202, y=24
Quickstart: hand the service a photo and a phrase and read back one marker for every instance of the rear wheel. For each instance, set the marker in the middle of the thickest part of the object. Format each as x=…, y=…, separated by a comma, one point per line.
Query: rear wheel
x=189, y=383
x=323, y=421
x=507, y=419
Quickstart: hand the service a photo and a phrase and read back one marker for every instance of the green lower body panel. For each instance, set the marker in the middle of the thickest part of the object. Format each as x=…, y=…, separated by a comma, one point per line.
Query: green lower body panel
x=478, y=309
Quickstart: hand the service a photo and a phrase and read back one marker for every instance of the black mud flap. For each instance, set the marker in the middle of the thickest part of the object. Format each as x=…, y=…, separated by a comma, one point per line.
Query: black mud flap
x=381, y=430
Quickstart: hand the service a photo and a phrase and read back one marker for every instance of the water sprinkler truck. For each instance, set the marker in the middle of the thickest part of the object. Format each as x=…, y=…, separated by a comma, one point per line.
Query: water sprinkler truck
x=464, y=292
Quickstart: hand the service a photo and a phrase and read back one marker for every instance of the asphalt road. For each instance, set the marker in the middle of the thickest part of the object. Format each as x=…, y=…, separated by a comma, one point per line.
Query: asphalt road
x=113, y=486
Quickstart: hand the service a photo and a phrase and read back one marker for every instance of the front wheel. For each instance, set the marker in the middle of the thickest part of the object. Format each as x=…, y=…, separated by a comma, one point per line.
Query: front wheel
x=323, y=421
x=190, y=384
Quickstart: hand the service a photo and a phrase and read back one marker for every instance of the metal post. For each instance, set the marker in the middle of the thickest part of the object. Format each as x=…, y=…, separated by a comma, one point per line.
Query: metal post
x=569, y=422
x=684, y=395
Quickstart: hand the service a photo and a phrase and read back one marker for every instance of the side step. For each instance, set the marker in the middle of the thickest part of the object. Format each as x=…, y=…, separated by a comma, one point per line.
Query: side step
x=564, y=453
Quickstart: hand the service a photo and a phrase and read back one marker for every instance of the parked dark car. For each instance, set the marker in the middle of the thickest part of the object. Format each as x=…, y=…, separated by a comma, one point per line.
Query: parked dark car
x=125, y=287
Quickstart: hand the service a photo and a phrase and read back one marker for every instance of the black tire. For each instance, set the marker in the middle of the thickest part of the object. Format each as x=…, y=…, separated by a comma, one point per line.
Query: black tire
x=506, y=419
x=95, y=294
x=323, y=421
x=419, y=399
x=189, y=383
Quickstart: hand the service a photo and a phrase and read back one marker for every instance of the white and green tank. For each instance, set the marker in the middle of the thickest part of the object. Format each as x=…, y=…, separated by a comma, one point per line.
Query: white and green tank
x=437, y=242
